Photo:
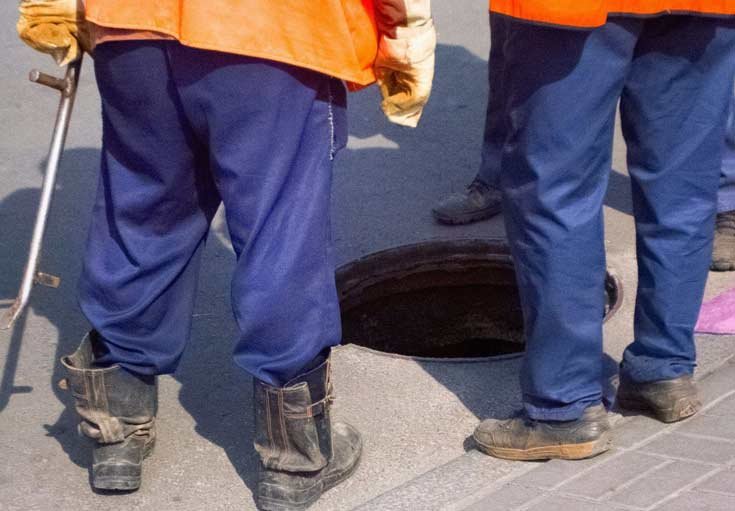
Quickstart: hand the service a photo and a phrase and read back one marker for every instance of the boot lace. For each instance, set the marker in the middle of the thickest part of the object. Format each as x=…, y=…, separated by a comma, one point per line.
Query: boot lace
x=479, y=186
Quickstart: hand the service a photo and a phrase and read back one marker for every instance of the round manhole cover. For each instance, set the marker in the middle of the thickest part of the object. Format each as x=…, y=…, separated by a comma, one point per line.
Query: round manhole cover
x=438, y=299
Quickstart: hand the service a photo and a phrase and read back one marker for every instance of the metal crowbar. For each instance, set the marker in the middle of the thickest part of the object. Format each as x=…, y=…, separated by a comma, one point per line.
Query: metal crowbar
x=67, y=86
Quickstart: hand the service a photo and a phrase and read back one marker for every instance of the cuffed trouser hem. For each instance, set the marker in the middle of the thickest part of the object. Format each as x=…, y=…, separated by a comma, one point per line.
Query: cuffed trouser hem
x=726, y=199
x=564, y=413
x=648, y=369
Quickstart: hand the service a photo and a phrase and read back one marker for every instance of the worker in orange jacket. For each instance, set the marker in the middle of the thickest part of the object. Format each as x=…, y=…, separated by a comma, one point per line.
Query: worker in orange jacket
x=240, y=102
x=567, y=64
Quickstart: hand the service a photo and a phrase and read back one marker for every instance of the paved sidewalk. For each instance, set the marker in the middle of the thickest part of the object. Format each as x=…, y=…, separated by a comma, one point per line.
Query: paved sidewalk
x=687, y=466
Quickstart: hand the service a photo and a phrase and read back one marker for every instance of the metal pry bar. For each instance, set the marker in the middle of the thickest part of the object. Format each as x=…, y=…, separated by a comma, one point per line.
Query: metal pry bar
x=67, y=86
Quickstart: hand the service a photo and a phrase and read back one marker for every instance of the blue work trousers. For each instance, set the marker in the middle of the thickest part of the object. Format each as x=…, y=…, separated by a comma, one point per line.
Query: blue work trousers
x=672, y=75
x=494, y=133
x=726, y=194
x=184, y=130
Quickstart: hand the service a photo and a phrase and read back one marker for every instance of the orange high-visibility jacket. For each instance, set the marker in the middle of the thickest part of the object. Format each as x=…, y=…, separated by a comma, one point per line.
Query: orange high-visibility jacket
x=335, y=37
x=594, y=13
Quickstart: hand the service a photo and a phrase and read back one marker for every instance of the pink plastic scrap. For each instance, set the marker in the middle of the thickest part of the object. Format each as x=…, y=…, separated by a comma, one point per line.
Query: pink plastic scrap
x=717, y=316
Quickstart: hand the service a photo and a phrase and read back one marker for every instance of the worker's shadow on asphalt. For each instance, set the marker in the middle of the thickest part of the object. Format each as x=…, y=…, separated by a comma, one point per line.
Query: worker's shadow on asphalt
x=211, y=390
x=390, y=177
x=60, y=256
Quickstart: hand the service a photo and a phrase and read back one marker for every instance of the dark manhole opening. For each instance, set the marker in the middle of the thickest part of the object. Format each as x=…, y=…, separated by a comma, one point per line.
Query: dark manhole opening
x=439, y=299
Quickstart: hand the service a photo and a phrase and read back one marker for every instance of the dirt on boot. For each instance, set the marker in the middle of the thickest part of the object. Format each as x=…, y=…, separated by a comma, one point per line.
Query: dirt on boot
x=723, y=254
x=117, y=410
x=302, y=453
x=523, y=438
x=479, y=201
x=668, y=400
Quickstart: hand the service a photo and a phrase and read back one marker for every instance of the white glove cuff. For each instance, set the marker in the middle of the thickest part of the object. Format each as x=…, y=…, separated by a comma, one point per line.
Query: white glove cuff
x=411, y=46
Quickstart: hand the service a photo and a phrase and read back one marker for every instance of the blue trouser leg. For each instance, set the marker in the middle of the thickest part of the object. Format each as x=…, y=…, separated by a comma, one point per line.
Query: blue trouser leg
x=673, y=123
x=273, y=131
x=562, y=88
x=155, y=200
x=194, y=126
x=494, y=135
x=726, y=193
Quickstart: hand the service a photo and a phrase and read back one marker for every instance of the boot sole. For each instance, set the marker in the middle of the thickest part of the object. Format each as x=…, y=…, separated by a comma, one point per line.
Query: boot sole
x=330, y=483
x=466, y=218
x=667, y=415
x=563, y=452
x=122, y=484
x=117, y=484
x=266, y=504
x=722, y=266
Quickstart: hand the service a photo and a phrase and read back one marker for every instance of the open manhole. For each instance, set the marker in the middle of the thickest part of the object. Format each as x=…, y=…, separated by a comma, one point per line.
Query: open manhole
x=439, y=299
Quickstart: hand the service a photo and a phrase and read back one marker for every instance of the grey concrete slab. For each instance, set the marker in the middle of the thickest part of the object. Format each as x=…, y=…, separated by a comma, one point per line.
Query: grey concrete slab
x=720, y=482
x=633, y=432
x=421, y=430
x=724, y=409
x=509, y=496
x=439, y=488
x=698, y=501
x=659, y=484
x=606, y=477
x=552, y=474
x=711, y=426
x=563, y=503
x=706, y=450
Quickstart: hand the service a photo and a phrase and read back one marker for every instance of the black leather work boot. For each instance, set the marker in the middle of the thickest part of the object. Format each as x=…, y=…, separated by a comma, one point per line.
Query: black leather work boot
x=668, y=400
x=302, y=453
x=523, y=438
x=723, y=251
x=478, y=201
x=118, y=411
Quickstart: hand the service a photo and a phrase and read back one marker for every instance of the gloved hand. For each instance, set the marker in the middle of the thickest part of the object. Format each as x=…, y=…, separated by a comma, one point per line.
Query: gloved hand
x=405, y=70
x=56, y=27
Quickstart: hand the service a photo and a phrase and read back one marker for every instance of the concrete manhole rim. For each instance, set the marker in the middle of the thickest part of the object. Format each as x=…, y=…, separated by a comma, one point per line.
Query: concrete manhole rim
x=441, y=254
x=438, y=360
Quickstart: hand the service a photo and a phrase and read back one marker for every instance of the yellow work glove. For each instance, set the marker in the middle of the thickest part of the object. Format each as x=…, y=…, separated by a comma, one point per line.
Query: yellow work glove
x=56, y=27
x=404, y=68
